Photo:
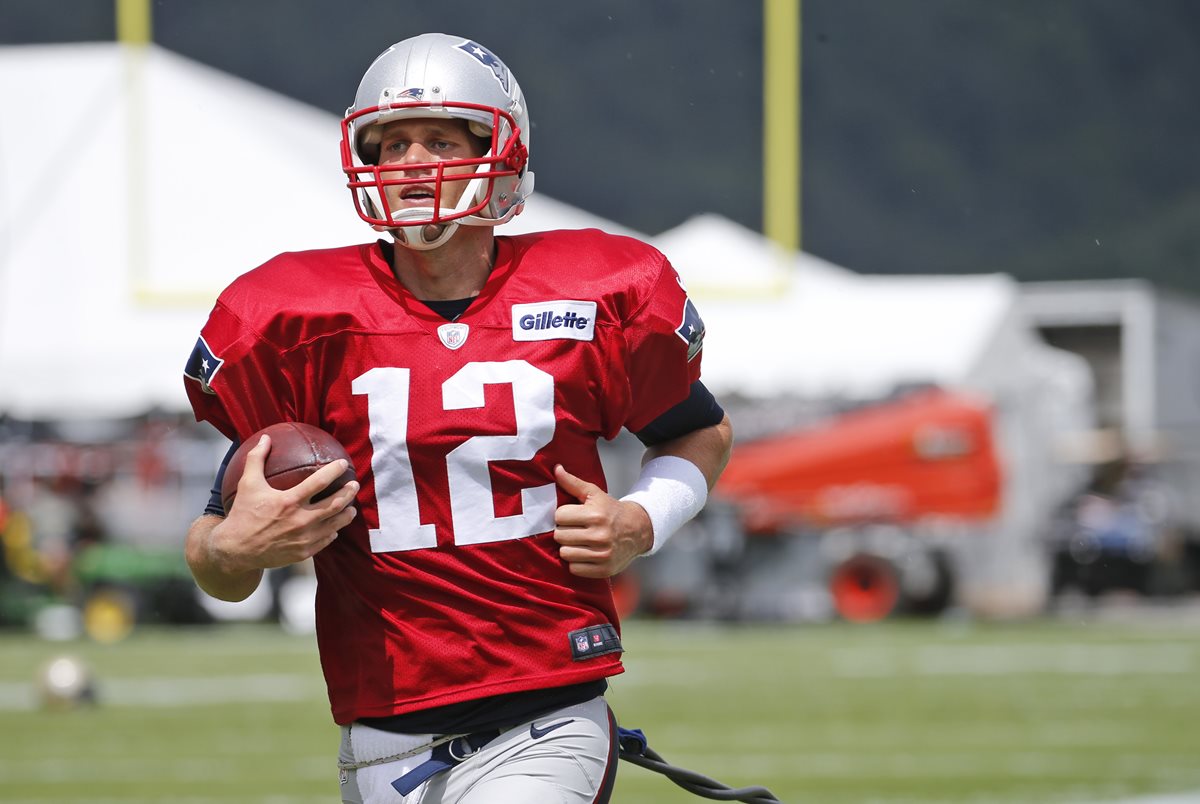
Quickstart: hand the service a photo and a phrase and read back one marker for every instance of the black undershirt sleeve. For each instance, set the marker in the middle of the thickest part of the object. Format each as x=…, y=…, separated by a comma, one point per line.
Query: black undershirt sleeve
x=699, y=410
x=215, y=507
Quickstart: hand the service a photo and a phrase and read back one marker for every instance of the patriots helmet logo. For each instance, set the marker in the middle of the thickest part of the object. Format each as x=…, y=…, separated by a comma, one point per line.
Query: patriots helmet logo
x=691, y=330
x=489, y=60
x=203, y=365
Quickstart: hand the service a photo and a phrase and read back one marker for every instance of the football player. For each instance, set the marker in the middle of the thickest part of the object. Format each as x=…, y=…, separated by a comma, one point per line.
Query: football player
x=465, y=615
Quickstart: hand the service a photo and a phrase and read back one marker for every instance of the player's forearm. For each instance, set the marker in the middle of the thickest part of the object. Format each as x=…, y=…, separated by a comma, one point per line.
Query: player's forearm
x=708, y=448
x=211, y=572
x=675, y=480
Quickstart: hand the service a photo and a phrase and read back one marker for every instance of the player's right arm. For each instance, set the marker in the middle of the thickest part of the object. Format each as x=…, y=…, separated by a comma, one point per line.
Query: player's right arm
x=266, y=528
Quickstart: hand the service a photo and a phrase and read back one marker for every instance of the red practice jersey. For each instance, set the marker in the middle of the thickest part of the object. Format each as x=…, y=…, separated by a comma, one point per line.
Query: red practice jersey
x=448, y=586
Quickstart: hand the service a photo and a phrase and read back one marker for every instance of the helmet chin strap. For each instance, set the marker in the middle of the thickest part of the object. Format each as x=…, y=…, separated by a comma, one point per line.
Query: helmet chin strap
x=426, y=237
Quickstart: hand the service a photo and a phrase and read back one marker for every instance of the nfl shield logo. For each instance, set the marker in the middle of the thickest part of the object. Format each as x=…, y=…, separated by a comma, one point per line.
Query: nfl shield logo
x=581, y=642
x=453, y=336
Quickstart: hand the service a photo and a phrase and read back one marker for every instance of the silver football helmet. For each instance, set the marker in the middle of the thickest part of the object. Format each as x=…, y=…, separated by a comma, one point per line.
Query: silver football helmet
x=436, y=75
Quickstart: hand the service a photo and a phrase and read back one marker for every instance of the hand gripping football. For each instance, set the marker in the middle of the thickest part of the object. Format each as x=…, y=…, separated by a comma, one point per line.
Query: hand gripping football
x=297, y=450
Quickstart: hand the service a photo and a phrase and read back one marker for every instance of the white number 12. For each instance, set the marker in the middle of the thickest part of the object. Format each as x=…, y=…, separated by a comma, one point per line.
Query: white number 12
x=472, y=506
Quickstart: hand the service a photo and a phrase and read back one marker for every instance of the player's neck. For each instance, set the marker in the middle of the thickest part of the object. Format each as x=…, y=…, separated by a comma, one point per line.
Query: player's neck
x=456, y=270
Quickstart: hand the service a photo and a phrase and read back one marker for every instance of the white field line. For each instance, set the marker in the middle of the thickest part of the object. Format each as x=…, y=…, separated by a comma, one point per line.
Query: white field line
x=1016, y=659
x=72, y=770
x=1072, y=659
x=157, y=798
x=177, y=692
x=1175, y=798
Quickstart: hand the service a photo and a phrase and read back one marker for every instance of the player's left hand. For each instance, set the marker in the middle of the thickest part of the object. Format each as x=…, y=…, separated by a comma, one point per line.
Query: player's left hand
x=599, y=536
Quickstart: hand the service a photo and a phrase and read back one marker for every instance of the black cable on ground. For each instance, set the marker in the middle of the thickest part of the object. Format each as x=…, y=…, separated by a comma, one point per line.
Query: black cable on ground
x=634, y=749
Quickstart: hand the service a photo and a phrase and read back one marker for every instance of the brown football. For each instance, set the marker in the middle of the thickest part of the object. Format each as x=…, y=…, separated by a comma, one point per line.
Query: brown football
x=297, y=450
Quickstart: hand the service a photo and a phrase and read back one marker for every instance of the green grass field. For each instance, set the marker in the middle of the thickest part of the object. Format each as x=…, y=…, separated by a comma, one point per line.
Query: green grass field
x=903, y=712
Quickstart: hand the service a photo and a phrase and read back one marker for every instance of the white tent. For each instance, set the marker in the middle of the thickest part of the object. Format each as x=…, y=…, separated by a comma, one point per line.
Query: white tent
x=799, y=325
x=130, y=195
x=723, y=260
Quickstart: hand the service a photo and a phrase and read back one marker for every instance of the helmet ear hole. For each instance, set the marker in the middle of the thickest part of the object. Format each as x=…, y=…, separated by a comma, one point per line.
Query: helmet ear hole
x=368, y=139
x=482, y=135
x=483, y=144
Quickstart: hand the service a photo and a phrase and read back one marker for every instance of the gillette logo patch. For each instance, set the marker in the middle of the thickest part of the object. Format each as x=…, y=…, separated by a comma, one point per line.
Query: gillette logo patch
x=552, y=320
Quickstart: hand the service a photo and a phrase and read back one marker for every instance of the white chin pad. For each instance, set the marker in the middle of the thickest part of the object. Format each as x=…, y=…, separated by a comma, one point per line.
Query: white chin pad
x=413, y=237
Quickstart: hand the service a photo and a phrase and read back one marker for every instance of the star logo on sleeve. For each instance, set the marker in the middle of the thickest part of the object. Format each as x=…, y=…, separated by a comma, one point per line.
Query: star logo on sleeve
x=691, y=330
x=203, y=365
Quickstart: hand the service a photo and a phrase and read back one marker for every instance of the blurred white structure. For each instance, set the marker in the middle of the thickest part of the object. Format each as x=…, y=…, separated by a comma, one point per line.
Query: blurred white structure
x=800, y=325
x=128, y=202
x=1142, y=345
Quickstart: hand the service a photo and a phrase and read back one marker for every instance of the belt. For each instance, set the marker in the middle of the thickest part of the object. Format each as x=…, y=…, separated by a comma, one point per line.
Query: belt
x=444, y=757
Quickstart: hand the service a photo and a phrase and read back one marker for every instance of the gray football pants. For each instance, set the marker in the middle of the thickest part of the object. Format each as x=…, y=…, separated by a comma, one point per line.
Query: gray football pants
x=566, y=757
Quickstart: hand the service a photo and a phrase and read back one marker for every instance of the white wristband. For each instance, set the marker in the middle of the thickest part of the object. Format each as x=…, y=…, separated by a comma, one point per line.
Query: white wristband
x=672, y=490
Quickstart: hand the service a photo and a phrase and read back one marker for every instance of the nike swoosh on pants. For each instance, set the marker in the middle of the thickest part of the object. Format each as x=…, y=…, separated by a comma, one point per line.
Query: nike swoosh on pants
x=537, y=733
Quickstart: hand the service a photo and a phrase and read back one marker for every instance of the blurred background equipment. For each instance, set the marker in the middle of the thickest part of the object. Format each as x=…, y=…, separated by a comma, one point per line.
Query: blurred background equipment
x=109, y=615
x=65, y=682
x=915, y=420
x=891, y=492
x=1137, y=525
